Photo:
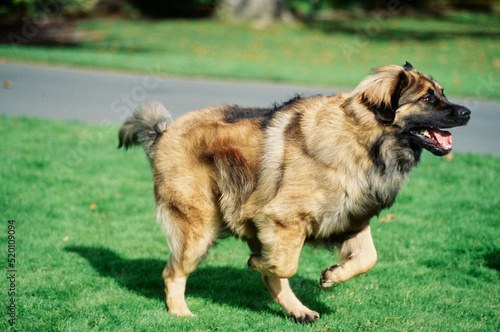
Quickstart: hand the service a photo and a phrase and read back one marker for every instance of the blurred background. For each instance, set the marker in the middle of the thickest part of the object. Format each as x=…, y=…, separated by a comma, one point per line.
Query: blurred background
x=324, y=42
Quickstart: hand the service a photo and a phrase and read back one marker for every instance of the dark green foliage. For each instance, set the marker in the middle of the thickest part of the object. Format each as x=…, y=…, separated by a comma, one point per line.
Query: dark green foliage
x=184, y=8
x=43, y=8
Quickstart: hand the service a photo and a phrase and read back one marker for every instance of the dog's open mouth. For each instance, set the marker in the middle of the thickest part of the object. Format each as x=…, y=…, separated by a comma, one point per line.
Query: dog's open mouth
x=435, y=140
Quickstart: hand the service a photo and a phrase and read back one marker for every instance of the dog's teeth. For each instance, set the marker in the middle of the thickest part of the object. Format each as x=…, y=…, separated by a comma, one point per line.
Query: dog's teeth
x=426, y=133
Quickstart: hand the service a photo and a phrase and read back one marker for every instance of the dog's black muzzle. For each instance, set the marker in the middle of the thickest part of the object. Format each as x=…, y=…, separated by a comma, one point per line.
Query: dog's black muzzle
x=461, y=114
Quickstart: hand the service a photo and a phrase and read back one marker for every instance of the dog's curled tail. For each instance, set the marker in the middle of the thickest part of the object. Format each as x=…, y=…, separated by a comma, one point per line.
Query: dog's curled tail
x=144, y=127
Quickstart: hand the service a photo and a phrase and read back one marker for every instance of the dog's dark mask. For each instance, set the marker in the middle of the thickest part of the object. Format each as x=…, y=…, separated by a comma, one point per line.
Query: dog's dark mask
x=391, y=89
x=425, y=129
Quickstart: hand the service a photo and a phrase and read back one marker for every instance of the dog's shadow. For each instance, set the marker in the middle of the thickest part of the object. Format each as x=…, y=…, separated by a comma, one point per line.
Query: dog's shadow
x=143, y=276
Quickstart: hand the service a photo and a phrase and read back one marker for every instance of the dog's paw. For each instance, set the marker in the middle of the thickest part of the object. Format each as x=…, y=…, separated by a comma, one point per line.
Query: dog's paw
x=307, y=317
x=327, y=279
x=253, y=262
x=182, y=313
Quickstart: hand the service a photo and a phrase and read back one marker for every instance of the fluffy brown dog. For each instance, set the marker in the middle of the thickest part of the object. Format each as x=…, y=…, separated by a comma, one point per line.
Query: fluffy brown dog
x=310, y=170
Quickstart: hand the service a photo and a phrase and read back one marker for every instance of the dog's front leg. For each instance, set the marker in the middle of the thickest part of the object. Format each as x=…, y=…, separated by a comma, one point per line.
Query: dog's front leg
x=360, y=254
x=279, y=249
x=275, y=254
x=284, y=296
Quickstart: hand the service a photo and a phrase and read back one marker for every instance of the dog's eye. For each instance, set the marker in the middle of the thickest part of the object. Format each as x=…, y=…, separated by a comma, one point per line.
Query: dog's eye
x=426, y=99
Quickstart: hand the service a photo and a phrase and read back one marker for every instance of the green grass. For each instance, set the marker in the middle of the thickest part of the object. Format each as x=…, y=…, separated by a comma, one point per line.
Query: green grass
x=84, y=269
x=461, y=50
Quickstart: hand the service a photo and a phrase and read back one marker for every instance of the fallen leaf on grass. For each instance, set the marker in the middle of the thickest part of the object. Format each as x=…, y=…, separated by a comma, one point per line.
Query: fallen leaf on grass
x=496, y=63
x=449, y=157
x=388, y=218
x=93, y=206
x=65, y=239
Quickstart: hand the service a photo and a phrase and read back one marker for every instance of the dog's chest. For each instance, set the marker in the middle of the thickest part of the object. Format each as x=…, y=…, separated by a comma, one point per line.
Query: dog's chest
x=348, y=202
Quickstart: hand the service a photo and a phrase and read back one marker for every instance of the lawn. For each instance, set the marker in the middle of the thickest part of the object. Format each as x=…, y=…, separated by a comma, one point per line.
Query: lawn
x=89, y=253
x=461, y=50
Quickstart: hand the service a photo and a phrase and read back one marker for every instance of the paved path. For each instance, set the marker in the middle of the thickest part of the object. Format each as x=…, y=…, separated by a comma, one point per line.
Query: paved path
x=108, y=97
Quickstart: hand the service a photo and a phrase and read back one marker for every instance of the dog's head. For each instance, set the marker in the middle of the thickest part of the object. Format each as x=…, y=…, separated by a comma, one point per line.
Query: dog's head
x=413, y=104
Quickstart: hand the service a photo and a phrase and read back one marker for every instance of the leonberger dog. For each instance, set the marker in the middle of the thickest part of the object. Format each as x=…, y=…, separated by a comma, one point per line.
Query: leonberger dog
x=311, y=170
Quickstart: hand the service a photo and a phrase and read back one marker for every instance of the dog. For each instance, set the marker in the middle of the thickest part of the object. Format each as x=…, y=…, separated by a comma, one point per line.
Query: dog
x=311, y=170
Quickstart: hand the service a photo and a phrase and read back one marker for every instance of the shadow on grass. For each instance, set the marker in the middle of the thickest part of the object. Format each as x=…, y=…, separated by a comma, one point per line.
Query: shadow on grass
x=492, y=259
x=220, y=284
x=380, y=28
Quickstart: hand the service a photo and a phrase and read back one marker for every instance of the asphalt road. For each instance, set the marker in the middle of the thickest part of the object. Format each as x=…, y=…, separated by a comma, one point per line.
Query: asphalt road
x=107, y=97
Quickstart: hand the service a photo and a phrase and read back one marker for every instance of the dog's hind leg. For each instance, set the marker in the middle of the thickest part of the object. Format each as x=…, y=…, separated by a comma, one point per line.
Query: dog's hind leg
x=360, y=254
x=191, y=231
x=175, y=285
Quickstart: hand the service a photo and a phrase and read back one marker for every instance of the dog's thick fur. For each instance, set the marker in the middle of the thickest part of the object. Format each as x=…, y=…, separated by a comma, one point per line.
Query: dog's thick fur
x=311, y=170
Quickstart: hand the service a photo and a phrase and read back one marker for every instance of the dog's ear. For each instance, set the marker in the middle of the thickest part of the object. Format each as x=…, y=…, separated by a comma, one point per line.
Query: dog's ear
x=381, y=91
x=408, y=66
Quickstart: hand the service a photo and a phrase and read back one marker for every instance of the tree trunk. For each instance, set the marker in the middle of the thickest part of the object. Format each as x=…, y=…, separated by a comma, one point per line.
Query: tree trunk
x=261, y=12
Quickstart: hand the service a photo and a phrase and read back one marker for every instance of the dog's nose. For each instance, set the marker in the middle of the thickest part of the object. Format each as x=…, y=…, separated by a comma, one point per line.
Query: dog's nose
x=463, y=113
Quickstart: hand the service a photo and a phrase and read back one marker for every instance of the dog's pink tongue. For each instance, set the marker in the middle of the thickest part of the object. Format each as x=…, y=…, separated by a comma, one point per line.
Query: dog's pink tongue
x=443, y=138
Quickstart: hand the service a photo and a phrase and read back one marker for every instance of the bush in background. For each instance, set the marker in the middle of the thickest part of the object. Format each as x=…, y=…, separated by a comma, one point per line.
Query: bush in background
x=203, y=8
x=19, y=8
